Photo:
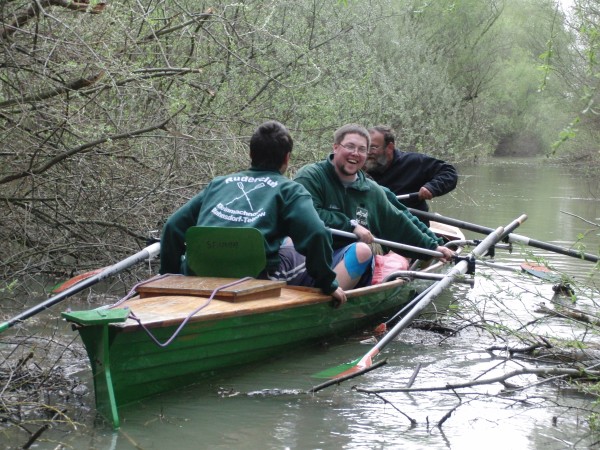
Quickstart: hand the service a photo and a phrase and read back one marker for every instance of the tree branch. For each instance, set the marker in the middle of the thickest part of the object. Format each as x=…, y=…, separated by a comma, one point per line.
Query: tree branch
x=31, y=12
x=71, y=86
x=553, y=371
x=85, y=148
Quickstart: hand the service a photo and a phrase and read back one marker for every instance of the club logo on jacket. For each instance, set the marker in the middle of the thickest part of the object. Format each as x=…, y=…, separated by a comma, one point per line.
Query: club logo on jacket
x=241, y=208
x=247, y=179
x=245, y=193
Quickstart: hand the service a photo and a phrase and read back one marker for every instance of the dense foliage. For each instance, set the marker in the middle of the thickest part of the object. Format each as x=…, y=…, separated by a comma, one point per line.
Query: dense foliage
x=112, y=114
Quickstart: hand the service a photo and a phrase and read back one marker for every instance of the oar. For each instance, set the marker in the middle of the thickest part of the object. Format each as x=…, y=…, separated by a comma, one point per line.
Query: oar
x=537, y=271
x=146, y=253
x=64, y=285
x=392, y=244
x=412, y=196
x=511, y=238
x=540, y=272
x=408, y=306
x=417, y=275
x=460, y=268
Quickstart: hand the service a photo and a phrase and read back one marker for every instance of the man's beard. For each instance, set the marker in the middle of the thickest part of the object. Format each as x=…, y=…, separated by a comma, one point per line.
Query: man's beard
x=377, y=165
x=345, y=172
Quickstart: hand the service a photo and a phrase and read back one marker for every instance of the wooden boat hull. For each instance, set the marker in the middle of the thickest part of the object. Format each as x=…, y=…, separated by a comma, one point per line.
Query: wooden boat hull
x=128, y=365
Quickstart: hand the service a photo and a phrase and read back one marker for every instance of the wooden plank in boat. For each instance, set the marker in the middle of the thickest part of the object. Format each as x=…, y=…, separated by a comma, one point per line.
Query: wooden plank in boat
x=252, y=289
x=171, y=310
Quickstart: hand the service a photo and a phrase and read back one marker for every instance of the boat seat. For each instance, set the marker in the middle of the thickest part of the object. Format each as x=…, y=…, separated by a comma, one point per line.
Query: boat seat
x=230, y=252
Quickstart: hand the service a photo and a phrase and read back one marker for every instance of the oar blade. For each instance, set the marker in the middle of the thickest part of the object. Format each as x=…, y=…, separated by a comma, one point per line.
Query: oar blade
x=346, y=370
x=541, y=272
x=337, y=371
x=64, y=285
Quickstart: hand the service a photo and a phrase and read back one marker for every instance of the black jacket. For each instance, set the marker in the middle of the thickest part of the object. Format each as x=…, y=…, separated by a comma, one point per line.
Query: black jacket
x=410, y=171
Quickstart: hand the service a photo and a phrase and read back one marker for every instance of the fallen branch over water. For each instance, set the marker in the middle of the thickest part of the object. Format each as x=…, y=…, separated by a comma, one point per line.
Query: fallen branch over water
x=588, y=375
x=413, y=422
x=573, y=314
x=35, y=436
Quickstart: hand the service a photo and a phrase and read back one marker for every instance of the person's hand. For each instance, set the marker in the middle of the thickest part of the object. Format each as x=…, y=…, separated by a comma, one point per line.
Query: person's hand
x=363, y=234
x=339, y=297
x=425, y=194
x=447, y=254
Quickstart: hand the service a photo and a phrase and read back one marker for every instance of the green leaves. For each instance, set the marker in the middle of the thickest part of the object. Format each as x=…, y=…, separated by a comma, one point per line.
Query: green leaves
x=565, y=134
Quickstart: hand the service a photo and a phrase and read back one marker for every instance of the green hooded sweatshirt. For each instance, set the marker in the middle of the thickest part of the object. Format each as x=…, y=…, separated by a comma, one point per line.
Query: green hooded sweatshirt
x=262, y=199
x=363, y=200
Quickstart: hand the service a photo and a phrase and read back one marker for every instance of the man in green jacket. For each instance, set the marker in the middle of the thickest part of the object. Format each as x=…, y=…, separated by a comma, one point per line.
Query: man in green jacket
x=349, y=201
x=262, y=198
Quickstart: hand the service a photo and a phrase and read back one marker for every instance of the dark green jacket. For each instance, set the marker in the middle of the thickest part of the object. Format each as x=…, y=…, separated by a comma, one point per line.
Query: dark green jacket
x=265, y=200
x=414, y=219
x=365, y=201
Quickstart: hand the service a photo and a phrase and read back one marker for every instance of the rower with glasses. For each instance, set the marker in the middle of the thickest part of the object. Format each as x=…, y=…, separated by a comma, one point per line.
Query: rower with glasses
x=347, y=200
x=353, y=148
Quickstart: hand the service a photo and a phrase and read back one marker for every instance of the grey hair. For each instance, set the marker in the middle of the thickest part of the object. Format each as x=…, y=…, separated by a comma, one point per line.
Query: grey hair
x=388, y=133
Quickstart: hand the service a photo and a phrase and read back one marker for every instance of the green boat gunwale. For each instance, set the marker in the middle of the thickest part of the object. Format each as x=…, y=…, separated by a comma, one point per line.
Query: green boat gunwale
x=220, y=336
x=247, y=308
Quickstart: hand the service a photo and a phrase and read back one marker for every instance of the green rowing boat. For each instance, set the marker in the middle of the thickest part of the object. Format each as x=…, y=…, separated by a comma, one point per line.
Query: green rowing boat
x=179, y=328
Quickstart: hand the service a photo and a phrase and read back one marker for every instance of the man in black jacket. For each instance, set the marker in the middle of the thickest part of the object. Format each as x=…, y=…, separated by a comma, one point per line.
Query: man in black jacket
x=407, y=172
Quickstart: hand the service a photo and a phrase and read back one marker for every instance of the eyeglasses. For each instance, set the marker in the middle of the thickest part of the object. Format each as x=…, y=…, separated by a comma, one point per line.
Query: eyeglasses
x=353, y=148
x=374, y=148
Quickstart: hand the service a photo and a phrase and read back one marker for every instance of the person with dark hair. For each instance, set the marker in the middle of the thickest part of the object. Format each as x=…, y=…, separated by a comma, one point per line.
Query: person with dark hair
x=407, y=172
x=346, y=199
x=270, y=145
x=262, y=198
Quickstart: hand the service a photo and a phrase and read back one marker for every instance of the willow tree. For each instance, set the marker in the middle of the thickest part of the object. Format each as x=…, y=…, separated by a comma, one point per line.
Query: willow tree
x=496, y=52
x=113, y=114
x=580, y=71
x=89, y=120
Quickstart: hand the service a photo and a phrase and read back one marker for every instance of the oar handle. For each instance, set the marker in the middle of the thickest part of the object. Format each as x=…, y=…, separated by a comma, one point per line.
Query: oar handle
x=392, y=244
x=146, y=253
x=512, y=237
x=411, y=196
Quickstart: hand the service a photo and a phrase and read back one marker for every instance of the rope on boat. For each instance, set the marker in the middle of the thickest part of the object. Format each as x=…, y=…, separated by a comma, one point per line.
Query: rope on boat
x=133, y=290
x=186, y=320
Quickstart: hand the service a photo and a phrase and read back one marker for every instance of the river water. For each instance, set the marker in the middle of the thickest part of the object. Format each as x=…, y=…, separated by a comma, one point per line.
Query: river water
x=266, y=405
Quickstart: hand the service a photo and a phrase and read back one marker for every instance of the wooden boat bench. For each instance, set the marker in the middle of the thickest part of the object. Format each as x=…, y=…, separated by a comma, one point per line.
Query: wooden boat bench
x=251, y=289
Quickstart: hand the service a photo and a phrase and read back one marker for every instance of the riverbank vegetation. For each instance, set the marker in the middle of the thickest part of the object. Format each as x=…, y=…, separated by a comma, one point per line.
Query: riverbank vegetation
x=112, y=114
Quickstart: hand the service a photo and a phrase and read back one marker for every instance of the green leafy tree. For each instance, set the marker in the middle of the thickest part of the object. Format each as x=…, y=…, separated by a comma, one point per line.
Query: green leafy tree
x=580, y=71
